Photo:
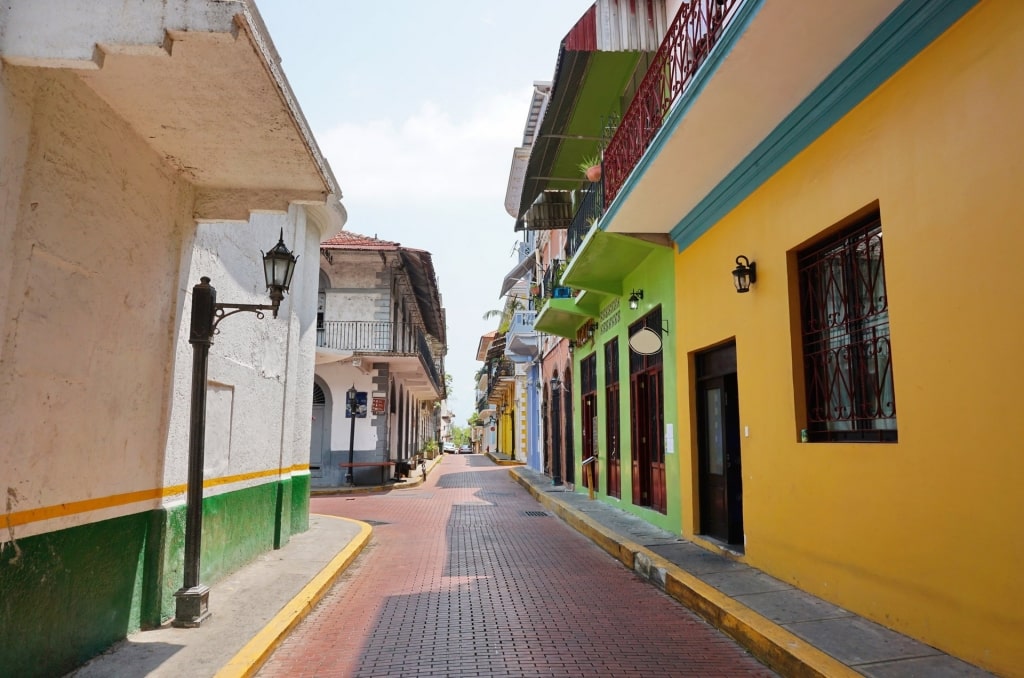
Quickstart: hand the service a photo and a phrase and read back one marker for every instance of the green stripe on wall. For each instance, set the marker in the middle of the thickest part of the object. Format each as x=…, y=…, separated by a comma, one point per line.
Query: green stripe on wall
x=300, y=503
x=72, y=593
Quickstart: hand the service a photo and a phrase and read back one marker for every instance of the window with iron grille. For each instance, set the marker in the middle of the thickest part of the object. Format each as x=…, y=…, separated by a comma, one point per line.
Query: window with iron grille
x=847, y=353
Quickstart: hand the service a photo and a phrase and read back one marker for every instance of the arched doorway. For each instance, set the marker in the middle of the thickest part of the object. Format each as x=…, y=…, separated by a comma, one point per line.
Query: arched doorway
x=320, y=428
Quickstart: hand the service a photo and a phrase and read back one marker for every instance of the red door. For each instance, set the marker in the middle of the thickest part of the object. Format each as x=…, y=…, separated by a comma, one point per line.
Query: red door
x=647, y=422
x=612, y=419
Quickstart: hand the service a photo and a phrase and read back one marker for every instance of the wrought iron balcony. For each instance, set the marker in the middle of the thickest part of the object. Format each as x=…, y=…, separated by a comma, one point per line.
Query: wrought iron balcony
x=380, y=338
x=550, y=285
x=589, y=213
x=427, y=358
x=498, y=372
x=694, y=31
x=367, y=336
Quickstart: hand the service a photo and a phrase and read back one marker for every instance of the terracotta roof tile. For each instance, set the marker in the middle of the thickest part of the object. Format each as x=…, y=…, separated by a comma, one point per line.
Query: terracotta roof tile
x=347, y=240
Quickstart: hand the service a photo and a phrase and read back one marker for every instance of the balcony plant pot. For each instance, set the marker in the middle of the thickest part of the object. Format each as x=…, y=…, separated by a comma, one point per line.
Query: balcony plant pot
x=590, y=167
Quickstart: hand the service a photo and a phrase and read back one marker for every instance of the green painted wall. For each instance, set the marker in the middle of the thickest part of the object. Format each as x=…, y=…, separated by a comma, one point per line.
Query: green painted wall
x=656, y=276
x=300, y=503
x=68, y=595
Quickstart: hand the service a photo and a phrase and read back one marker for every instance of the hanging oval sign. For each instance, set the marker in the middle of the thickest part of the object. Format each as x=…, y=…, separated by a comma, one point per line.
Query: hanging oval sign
x=645, y=342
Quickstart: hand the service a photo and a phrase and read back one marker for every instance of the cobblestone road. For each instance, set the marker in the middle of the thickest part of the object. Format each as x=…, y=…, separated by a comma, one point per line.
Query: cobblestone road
x=467, y=576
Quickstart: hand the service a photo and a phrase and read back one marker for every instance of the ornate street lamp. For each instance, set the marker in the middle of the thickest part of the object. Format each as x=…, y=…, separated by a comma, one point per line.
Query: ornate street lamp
x=192, y=599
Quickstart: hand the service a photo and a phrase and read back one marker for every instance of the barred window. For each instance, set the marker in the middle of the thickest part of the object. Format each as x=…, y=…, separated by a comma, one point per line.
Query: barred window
x=847, y=354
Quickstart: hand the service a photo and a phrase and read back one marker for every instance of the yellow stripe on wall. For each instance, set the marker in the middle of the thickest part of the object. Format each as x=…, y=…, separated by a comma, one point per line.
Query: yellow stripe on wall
x=72, y=508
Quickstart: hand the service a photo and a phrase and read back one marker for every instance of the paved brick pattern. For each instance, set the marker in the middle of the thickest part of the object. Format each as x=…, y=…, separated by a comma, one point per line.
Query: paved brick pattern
x=463, y=578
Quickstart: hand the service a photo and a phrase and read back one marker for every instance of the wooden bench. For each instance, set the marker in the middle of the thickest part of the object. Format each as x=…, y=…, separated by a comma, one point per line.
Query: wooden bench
x=374, y=464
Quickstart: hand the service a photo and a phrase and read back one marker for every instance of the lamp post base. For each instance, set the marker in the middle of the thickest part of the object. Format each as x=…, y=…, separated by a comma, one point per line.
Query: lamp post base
x=192, y=606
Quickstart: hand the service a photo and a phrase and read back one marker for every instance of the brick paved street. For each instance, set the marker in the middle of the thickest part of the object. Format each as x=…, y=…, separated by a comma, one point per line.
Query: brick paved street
x=463, y=578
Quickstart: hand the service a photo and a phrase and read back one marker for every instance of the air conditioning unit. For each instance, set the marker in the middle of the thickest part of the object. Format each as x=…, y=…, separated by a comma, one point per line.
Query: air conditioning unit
x=561, y=293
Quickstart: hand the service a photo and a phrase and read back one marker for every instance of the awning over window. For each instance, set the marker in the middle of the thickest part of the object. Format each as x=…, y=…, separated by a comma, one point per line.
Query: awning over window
x=516, y=274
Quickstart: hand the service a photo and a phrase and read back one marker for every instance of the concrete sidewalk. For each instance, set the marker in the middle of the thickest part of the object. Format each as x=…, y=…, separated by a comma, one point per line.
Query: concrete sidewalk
x=252, y=610
x=788, y=629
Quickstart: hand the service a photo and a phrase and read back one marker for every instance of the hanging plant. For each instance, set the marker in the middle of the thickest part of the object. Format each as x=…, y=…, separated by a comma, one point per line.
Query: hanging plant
x=590, y=167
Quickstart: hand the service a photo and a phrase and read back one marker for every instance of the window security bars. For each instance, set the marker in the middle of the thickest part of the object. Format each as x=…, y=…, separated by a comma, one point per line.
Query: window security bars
x=847, y=353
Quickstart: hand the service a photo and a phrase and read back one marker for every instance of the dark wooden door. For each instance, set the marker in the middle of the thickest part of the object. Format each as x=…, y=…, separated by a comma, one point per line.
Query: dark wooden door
x=556, y=437
x=589, y=437
x=568, y=447
x=638, y=441
x=656, y=440
x=613, y=464
x=613, y=481
x=649, y=485
x=718, y=446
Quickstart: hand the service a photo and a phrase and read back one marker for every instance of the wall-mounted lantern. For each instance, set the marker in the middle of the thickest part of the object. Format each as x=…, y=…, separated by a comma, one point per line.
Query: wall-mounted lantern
x=634, y=299
x=745, y=274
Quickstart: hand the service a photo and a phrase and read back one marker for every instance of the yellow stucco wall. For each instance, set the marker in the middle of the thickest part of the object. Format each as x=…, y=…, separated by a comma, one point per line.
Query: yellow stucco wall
x=925, y=535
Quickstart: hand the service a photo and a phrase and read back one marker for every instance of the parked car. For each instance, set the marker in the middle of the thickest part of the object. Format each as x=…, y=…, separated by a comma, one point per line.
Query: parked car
x=449, y=448
x=465, y=449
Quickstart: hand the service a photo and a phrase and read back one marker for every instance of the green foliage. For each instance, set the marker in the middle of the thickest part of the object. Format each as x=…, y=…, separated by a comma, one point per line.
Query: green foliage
x=589, y=161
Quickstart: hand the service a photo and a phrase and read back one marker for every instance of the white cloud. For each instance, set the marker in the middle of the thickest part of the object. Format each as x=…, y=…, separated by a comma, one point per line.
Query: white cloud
x=431, y=156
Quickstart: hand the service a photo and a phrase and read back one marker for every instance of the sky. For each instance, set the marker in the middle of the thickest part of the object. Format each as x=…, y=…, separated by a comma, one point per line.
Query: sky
x=417, y=107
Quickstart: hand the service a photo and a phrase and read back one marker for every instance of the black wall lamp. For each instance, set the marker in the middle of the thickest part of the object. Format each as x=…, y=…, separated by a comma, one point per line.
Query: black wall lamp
x=192, y=599
x=635, y=297
x=556, y=383
x=745, y=274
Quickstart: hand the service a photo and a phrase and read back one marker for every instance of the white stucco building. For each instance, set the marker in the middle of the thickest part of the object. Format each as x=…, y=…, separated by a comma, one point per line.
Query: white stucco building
x=144, y=145
x=381, y=331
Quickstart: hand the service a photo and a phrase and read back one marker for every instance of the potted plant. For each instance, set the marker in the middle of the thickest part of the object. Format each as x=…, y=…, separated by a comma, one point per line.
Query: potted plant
x=590, y=167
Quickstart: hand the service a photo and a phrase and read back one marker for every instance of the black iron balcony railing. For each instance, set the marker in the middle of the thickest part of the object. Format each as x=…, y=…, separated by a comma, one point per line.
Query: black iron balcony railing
x=694, y=31
x=587, y=214
x=499, y=369
x=427, y=358
x=367, y=335
x=382, y=337
x=549, y=285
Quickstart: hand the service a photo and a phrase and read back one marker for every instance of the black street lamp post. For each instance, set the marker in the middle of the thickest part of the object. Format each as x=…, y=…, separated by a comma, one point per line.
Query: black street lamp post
x=351, y=395
x=192, y=599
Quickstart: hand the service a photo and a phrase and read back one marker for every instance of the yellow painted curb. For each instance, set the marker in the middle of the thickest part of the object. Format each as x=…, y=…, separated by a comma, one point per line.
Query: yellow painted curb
x=504, y=462
x=251, y=657
x=770, y=643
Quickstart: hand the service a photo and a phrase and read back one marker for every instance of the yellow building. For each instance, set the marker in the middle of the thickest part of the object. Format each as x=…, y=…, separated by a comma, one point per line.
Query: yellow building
x=850, y=419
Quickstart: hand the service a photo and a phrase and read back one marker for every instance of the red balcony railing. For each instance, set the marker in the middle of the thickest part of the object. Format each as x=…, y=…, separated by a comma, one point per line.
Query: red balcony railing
x=694, y=31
